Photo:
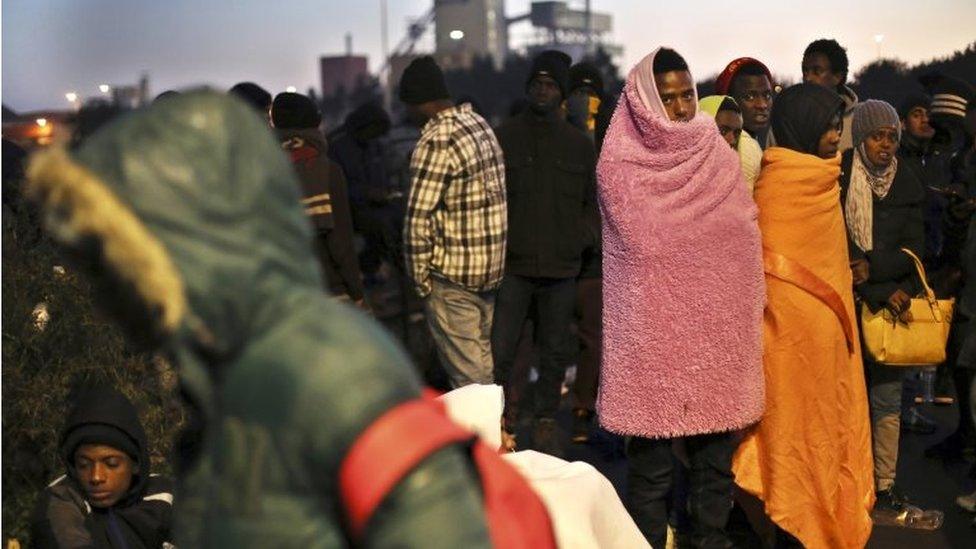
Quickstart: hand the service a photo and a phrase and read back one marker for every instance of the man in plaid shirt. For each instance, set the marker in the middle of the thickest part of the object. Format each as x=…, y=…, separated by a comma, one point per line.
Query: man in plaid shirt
x=456, y=224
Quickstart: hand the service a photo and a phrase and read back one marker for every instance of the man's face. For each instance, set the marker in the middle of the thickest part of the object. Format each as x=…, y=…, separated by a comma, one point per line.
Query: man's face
x=544, y=94
x=105, y=473
x=830, y=140
x=677, y=91
x=917, y=124
x=754, y=94
x=730, y=126
x=880, y=146
x=817, y=70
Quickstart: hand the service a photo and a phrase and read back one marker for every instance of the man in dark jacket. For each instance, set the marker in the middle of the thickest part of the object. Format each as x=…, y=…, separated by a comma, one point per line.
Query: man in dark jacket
x=949, y=219
x=550, y=173
x=107, y=498
x=358, y=148
x=296, y=120
x=930, y=165
x=586, y=88
x=188, y=215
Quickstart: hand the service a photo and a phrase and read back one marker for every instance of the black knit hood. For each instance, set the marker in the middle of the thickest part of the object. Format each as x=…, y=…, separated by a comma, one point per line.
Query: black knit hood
x=102, y=415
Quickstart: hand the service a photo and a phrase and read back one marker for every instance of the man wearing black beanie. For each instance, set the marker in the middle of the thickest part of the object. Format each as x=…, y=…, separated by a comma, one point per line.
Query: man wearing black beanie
x=455, y=228
x=550, y=178
x=296, y=121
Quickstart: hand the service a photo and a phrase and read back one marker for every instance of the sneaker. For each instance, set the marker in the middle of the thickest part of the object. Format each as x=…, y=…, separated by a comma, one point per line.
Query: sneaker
x=581, y=425
x=546, y=438
x=891, y=508
x=914, y=421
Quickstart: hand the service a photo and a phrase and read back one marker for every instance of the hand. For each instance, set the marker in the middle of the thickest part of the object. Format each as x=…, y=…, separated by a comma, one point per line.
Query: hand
x=899, y=304
x=860, y=268
x=508, y=441
x=961, y=207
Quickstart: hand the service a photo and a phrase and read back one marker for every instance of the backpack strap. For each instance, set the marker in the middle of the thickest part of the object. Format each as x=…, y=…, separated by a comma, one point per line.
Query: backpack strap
x=387, y=451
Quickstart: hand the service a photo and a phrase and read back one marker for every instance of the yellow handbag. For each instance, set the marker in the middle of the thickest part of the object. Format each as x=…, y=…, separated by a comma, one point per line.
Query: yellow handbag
x=921, y=342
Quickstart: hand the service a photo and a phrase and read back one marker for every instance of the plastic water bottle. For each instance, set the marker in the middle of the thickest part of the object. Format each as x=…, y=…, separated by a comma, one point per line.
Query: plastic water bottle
x=926, y=385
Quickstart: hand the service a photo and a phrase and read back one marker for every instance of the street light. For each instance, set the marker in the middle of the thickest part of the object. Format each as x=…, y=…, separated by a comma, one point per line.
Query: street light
x=71, y=97
x=878, y=39
x=291, y=89
x=456, y=34
x=41, y=122
x=104, y=88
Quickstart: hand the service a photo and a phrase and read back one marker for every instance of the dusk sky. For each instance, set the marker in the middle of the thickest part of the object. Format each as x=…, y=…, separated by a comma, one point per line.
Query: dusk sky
x=54, y=46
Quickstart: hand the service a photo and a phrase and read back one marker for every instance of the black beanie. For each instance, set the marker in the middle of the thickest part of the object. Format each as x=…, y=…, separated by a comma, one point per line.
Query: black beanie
x=422, y=82
x=585, y=74
x=294, y=111
x=103, y=415
x=554, y=64
x=254, y=95
x=914, y=99
x=99, y=433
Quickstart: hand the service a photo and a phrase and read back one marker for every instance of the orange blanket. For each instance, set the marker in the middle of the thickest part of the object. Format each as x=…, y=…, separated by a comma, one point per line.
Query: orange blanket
x=809, y=459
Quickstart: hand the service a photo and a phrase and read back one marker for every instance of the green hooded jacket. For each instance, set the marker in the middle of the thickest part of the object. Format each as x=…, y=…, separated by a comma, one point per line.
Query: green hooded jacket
x=187, y=216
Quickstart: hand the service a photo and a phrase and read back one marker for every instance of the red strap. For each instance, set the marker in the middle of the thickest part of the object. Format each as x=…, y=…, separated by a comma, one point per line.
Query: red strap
x=302, y=154
x=781, y=267
x=415, y=429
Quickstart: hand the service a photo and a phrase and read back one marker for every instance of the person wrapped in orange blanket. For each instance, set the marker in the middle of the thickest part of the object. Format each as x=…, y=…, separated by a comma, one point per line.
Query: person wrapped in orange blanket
x=809, y=458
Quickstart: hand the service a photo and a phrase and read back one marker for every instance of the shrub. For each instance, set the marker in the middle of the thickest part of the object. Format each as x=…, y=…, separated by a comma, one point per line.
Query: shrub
x=42, y=367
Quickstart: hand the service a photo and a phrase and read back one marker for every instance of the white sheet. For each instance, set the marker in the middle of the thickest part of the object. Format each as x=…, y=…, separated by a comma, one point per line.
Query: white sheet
x=583, y=505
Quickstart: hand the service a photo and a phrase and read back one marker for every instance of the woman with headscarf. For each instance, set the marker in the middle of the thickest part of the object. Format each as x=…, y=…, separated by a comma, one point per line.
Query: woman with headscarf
x=809, y=459
x=728, y=118
x=883, y=208
x=683, y=298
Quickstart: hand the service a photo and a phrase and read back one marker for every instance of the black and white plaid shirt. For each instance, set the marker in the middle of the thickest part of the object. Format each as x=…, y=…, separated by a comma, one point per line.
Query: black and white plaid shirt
x=457, y=215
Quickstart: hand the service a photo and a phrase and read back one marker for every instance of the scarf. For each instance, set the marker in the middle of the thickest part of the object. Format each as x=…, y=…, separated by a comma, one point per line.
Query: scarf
x=802, y=114
x=867, y=181
x=682, y=268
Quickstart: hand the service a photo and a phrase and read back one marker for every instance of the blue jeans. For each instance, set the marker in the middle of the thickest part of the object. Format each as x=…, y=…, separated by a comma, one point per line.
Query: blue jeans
x=460, y=325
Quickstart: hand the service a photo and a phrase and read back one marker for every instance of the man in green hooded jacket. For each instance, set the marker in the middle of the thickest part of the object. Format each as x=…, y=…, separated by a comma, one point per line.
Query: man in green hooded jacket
x=187, y=217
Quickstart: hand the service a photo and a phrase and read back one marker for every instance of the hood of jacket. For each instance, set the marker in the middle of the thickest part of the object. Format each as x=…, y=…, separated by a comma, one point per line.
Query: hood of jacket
x=188, y=214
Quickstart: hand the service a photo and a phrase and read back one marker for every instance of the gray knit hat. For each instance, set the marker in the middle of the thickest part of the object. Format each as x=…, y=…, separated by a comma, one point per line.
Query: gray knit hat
x=869, y=116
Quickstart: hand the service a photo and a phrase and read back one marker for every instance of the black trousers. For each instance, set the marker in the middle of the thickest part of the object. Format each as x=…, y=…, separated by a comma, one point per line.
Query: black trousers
x=650, y=464
x=554, y=299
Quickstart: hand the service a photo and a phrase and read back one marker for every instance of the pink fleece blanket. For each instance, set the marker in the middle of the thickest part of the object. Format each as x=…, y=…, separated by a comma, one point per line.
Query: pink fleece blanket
x=683, y=286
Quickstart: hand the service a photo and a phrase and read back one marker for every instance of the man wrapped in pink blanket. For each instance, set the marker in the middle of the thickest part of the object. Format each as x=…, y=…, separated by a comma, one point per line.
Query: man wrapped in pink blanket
x=683, y=297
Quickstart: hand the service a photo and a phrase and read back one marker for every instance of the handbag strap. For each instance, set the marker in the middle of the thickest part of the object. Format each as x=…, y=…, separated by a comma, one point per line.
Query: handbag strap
x=779, y=266
x=929, y=293
x=937, y=311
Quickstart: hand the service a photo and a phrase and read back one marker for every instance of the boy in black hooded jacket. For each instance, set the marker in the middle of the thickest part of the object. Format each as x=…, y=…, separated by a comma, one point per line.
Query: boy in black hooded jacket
x=107, y=498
